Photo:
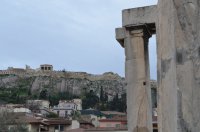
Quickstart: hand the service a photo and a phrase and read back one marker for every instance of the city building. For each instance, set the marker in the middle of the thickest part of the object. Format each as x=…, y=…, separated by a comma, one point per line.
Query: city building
x=58, y=125
x=65, y=108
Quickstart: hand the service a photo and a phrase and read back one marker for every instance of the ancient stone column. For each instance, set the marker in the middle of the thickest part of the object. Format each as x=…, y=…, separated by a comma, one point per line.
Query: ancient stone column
x=137, y=77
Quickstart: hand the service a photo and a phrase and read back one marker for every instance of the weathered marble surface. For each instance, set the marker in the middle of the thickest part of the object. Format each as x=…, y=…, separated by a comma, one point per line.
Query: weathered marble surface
x=166, y=59
x=179, y=65
x=141, y=15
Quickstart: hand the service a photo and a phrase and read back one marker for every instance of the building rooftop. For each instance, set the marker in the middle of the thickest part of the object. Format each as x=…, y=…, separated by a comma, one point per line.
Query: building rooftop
x=107, y=129
x=46, y=65
x=114, y=119
x=57, y=121
x=113, y=113
x=77, y=130
x=92, y=112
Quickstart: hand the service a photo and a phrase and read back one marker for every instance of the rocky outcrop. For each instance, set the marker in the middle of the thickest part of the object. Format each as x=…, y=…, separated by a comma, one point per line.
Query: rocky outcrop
x=73, y=82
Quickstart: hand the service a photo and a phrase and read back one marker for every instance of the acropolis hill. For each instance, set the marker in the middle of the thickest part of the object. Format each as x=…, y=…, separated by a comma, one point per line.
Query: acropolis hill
x=36, y=80
x=47, y=70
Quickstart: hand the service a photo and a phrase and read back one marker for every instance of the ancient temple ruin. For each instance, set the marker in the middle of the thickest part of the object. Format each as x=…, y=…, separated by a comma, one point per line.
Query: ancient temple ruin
x=176, y=24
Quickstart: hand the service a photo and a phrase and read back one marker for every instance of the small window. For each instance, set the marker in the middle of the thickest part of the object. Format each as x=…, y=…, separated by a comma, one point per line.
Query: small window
x=66, y=113
x=61, y=128
x=155, y=130
x=56, y=127
x=117, y=125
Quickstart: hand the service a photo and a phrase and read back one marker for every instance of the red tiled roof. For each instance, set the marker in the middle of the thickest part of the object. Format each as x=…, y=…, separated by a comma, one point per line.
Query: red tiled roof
x=113, y=113
x=58, y=121
x=115, y=119
x=111, y=120
x=23, y=118
x=85, y=122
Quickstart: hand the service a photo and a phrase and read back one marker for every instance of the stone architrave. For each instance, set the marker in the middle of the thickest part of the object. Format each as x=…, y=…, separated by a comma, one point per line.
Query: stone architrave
x=135, y=42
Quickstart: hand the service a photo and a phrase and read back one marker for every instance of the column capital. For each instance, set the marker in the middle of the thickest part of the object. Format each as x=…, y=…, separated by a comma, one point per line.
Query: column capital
x=139, y=31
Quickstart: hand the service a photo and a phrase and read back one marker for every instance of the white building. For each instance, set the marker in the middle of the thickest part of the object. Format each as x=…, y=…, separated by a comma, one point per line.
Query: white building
x=65, y=108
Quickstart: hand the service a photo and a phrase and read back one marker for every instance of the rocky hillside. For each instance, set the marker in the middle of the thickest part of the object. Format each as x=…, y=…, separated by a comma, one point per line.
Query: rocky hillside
x=16, y=88
x=55, y=82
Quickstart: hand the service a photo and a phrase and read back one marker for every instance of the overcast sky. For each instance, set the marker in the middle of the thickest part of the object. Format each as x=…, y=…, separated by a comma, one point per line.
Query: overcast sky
x=76, y=35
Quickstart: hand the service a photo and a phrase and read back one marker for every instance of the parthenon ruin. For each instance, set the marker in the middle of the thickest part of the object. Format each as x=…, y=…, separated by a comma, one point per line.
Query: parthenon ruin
x=177, y=27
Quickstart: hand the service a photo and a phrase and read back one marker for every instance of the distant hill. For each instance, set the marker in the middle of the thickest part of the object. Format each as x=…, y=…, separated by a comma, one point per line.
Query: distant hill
x=108, y=88
x=31, y=84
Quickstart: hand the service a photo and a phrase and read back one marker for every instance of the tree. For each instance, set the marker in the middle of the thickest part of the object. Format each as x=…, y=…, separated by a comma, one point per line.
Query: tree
x=65, y=95
x=76, y=115
x=4, y=120
x=118, y=104
x=52, y=115
x=114, y=104
x=103, y=100
x=63, y=70
x=43, y=94
x=33, y=106
x=54, y=99
x=102, y=95
x=19, y=128
x=90, y=100
x=123, y=104
x=106, y=97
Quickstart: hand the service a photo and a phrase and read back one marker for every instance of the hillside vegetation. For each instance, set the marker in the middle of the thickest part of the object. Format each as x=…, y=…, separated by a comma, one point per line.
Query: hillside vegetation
x=103, y=92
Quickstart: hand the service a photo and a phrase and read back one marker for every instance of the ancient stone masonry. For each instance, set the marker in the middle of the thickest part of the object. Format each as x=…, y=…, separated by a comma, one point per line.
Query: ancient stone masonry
x=177, y=25
x=46, y=67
